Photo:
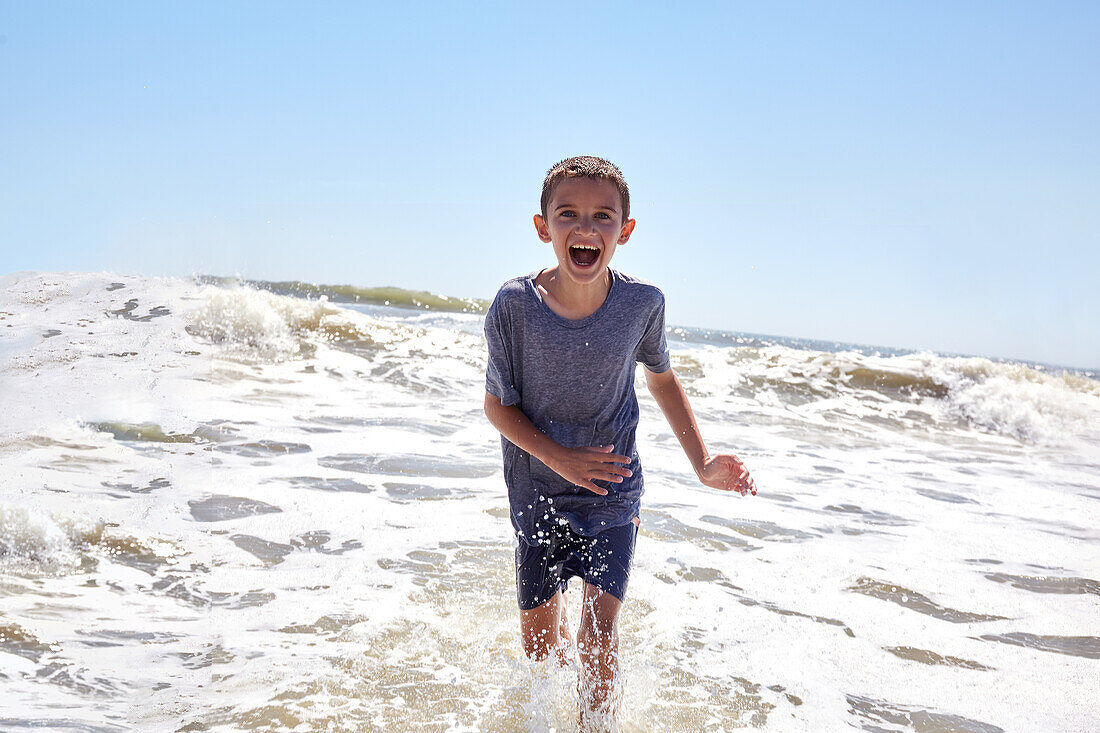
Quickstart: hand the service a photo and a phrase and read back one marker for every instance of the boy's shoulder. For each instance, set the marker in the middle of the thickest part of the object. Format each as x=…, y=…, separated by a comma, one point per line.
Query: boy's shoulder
x=511, y=291
x=641, y=290
x=515, y=285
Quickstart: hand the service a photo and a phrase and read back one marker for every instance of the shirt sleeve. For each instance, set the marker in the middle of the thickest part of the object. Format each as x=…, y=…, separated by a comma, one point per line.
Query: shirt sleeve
x=499, y=372
x=653, y=349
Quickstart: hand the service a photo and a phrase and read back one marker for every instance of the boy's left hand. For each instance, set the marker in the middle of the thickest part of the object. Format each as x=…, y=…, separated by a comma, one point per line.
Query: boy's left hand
x=727, y=473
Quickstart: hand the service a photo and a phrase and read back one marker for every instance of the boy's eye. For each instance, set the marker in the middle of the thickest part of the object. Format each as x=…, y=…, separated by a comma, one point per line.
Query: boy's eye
x=567, y=213
x=602, y=215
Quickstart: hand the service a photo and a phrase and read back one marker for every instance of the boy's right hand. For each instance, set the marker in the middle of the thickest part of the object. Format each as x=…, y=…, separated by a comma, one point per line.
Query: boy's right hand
x=582, y=466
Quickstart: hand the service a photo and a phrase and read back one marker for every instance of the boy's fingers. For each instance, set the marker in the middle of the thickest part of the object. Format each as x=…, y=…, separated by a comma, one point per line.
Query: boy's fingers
x=741, y=485
x=593, y=488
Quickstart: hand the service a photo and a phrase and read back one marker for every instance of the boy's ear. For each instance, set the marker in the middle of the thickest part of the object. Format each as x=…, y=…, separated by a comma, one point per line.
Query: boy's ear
x=541, y=228
x=627, y=230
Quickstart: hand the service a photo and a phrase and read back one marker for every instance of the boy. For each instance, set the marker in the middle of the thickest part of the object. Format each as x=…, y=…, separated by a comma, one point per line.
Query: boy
x=563, y=344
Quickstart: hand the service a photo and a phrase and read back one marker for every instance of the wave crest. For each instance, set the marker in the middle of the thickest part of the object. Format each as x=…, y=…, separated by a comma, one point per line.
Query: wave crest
x=260, y=325
x=32, y=539
x=1009, y=399
x=1017, y=400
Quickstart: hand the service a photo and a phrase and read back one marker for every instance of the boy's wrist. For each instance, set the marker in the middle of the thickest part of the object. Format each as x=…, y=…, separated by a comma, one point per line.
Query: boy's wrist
x=550, y=452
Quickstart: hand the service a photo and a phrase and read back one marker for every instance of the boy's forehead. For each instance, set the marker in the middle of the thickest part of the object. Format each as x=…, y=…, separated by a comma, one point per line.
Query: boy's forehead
x=578, y=188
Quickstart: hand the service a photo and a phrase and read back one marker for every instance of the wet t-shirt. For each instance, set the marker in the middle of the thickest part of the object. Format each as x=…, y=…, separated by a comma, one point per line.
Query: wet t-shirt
x=574, y=379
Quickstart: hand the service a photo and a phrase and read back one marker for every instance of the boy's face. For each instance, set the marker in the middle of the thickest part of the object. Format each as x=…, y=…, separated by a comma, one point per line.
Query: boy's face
x=584, y=222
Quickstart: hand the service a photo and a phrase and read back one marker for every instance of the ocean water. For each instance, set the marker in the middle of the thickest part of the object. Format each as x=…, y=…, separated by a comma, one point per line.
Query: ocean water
x=270, y=506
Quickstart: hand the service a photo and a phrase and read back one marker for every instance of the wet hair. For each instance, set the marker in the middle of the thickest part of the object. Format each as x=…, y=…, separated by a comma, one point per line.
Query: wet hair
x=588, y=166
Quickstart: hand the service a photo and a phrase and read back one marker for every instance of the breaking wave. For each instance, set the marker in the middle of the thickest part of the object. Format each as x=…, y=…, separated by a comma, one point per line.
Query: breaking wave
x=265, y=326
x=1011, y=399
x=34, y=540
x=276, y=321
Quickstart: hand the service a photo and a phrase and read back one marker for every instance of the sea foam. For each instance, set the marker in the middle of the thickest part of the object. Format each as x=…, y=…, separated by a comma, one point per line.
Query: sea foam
x=229, y=506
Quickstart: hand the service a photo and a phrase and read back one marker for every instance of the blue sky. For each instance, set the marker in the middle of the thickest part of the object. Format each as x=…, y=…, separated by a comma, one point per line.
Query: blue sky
x=914, y=175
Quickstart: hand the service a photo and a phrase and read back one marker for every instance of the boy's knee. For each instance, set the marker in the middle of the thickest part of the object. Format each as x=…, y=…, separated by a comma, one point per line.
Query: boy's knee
x=598, y=631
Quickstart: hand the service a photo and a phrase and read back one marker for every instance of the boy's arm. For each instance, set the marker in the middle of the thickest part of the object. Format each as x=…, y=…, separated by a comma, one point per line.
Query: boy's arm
x=724, y=472
x=578, y=466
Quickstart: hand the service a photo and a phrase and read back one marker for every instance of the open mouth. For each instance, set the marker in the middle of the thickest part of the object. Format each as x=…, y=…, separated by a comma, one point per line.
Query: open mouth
x=584, y=255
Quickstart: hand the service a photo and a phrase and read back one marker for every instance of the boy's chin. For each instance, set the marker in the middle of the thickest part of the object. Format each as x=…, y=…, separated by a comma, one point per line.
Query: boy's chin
x=587, y=274
x=582, y=272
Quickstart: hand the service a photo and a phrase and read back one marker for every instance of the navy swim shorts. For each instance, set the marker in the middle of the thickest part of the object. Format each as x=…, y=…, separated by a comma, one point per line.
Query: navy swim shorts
x=603, y=561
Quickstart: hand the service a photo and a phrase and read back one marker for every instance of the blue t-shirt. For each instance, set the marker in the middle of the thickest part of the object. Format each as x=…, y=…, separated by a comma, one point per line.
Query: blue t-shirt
x=574, y=379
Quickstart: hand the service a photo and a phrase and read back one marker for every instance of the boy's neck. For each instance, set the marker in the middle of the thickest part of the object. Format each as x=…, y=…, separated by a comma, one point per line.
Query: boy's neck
x=570, y=299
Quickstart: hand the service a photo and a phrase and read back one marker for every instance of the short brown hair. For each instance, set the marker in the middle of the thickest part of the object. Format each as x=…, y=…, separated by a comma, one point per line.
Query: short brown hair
x=588, y=166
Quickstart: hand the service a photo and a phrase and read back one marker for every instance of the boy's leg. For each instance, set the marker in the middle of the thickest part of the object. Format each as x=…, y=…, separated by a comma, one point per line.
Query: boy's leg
x=598, y=649
x=567, y=642
x=543, y=629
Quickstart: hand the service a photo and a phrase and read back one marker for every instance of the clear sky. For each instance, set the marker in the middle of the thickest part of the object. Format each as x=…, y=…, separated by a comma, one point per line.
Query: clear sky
x=920, y=175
